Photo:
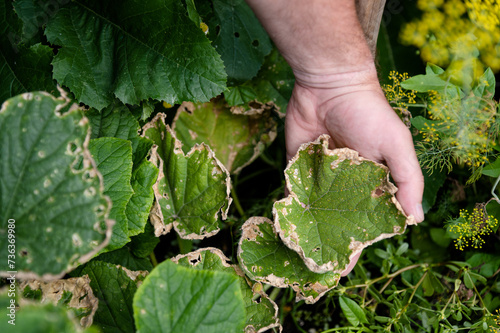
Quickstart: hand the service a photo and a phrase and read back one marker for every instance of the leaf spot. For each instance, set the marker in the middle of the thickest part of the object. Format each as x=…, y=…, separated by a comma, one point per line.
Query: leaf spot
x=77, y=240
x=47, y=183
x=41, y=154
x=377, y=192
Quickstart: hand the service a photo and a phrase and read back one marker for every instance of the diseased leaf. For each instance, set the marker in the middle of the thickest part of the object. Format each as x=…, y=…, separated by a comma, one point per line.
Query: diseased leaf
x=237, y=140
x=113, y=158
x=339, y=203
x=34, y=317
x=42, y=140
x=275, y=81
x=117, y=121
x=191, y=190
x=240, y=39
x=352, y=311
x=137, y=211
x=265, y=258
x=114, y=287
x=134, y=50
x=179, y=299
x=261, y=312
x=81, y=298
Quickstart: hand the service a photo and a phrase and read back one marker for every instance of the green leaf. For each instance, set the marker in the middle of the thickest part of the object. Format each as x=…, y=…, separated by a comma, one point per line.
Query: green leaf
x=265, y=258
x=237, y=140
x=114, y=287
x=485, y=87
x=433, y=69
x=425, y=83
x=134, y=50
x=433, y=183
x=192, y=13
x=191, y=189
x=492, y=169
x=137, y=211
x=439, y=236
x=353, y=312
x=117, y=121
x=144, y=243
x=242, y=42
x=178, y=299
x=124, y=257
x=240, y=95
x=339, y=203
x=275, y=82
x=487, y=263
x=113, y=158
x=422, y=123
x=261, y=312
x=27, y=69
x=41, y=142
x=34, y=15
x=469, y=283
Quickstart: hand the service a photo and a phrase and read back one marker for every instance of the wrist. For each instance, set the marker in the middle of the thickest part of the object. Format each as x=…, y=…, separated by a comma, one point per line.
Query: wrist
x=340, y=77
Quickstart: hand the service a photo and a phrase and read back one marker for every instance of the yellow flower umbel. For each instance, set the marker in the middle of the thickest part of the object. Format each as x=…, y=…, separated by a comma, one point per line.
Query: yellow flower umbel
x=472, y=227
x=466, y=32
x=459, y=129
x=398, y=97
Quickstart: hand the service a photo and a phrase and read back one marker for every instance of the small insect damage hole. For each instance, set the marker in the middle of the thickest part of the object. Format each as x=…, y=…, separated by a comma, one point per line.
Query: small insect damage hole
x=217, y=30
x=378, y=192
x=72, y=148
x=195, y=261
x=237, y=34
x=255, y=43
x=316, y=249
x=23, y=253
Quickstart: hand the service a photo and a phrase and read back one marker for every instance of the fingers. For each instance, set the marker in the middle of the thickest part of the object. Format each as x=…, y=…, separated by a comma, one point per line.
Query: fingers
x=351, y=265
x=405, y=170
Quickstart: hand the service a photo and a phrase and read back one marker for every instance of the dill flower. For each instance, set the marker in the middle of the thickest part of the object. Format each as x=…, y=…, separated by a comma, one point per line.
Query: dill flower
x=398, y=97
x=460, y=129
x=452, y=30
x=471, y=228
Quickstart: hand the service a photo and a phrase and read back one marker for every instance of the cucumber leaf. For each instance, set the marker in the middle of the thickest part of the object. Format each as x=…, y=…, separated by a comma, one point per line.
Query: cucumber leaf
x=339, y=203
x=49, y=186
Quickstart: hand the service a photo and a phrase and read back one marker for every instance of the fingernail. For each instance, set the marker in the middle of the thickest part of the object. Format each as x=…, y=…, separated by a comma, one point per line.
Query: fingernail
x=419, y=213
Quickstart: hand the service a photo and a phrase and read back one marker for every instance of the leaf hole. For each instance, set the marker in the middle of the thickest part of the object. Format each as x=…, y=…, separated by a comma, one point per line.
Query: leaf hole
x=255, y=43
x=72, y=148
x=377, y=192
x=23, y=253
x=195, y=261
x=237, y=34
x=217, y=30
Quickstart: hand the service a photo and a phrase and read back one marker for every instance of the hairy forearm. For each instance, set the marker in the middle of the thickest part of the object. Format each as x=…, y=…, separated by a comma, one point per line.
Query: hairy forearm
x=319, y=38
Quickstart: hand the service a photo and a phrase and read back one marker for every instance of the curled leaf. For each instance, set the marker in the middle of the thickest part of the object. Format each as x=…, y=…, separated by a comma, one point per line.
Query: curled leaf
x=265, y=258
x=339, y=203
x=191, y=190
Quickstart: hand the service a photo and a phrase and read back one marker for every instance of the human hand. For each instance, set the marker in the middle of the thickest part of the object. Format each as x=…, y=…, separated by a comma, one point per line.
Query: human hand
x=352, y=109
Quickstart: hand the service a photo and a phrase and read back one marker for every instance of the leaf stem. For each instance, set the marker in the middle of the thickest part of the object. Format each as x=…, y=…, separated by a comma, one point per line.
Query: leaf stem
x=153, y=259
x=237, y=203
